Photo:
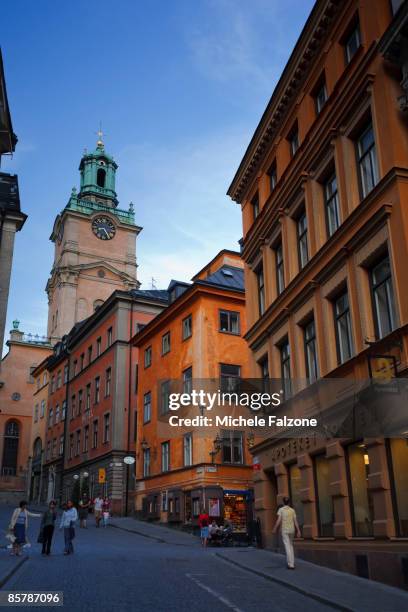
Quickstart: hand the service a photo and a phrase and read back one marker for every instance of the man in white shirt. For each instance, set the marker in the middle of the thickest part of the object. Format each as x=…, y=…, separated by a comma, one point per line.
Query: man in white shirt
x=288, y=522
x=98, y=506
x=68, y=520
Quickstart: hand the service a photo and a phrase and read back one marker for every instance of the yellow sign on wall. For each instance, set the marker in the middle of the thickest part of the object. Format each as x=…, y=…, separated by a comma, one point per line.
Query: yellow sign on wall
x=101, y=475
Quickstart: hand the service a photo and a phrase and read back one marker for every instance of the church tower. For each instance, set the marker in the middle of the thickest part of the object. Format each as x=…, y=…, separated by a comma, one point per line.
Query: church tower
x=95, y=246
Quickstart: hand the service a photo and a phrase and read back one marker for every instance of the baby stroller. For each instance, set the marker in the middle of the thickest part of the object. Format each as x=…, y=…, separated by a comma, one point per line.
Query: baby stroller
x=226, y=538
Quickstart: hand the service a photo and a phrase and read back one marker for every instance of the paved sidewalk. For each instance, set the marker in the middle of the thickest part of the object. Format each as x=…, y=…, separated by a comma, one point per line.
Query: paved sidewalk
x=159, y=533
x=338, y=589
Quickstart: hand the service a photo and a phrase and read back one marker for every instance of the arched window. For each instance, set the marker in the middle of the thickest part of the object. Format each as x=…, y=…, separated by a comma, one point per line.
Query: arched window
x=100, y=177
x=10, y=450
x=37, y=448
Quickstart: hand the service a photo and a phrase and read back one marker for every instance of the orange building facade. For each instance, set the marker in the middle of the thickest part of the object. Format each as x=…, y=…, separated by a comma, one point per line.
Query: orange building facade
x=90, y=422
x=198, y=337
x=322, y=187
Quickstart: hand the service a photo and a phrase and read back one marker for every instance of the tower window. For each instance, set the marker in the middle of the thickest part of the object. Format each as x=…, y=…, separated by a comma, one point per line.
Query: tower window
x=100, y=177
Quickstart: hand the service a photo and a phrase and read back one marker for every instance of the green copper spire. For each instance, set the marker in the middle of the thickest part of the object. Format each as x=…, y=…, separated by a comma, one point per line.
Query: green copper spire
x=98, y=170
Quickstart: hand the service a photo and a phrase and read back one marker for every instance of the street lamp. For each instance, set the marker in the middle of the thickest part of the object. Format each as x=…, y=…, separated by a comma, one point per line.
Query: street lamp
x=217, y=446
x=128, y=461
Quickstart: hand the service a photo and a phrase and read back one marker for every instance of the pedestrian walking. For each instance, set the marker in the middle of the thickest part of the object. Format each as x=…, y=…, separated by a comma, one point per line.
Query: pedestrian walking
x=98, y=505
x=106, y=511
x=287, y=521
x=68, y=520
x=19, y=526
x=47, y=528
x=203, y=523
x=84, y=504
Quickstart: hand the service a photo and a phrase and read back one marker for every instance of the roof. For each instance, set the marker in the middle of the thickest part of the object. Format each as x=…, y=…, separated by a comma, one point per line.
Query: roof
x=227, y=276
x=154, y=294
x=8, y=139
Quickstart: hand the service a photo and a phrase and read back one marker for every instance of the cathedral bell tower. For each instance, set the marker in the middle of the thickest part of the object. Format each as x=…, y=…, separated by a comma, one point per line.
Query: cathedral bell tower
x=95, y=246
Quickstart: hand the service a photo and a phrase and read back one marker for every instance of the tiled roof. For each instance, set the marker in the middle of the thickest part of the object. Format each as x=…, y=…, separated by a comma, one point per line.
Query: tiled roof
x=227, y=276
x=154, y=294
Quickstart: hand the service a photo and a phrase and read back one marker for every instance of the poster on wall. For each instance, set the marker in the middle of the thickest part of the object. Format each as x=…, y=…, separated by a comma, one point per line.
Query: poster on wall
x=214, y=507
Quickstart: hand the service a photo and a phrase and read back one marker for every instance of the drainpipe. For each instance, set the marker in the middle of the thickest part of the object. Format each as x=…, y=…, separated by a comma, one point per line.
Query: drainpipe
x=129, y=409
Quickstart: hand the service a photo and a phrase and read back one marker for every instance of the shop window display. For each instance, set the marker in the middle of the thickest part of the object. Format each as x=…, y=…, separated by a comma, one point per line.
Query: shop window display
x=235, y=510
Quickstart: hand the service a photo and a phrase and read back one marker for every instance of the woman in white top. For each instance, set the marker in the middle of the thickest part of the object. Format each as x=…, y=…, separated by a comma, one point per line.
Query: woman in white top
x=19, y=526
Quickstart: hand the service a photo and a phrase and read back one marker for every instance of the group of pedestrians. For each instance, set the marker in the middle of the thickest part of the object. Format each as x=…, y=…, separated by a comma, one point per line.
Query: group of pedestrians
x=18, y=526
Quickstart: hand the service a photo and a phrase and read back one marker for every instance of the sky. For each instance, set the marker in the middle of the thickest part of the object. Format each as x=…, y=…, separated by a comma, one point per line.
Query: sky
x=179, y=86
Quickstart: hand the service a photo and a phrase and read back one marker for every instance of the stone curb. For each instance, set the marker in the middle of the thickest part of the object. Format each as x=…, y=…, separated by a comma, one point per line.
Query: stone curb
x=12, y=571
x=149, y=537
x=312, y=594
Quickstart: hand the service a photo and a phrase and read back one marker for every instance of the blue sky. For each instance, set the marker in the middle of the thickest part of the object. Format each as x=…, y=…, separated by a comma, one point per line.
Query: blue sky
x=179, y=86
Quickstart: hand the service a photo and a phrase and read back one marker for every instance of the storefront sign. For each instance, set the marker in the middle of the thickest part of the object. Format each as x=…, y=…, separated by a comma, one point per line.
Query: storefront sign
x=292, y=448
x=211, y=468
x=382, y=368
x=256, y=464
x=101, y=475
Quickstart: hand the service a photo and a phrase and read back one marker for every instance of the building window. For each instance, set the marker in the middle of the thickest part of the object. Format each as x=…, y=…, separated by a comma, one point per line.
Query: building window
x=312, y=370
x=147, y=407
x=352, y=43
x=80, y=407
x=65, y=374
x=74, y=367
x=106, y=427
x=64, y=410
x=188, y=380
x=95, y=434
x=367, y=161
x=255, y=206
x=98, y=346
x=59, y=379
x=109, y=337
x=188, y=449
x=73, y=407
x=52, y=384
x=284, y=350
x=166, y=343
x=232, y=447
x=344, y=338
x=61, y=445
x=164, y=396
x=230, y=377
x=273, y=176
x=361, y=500
x=302, y=240
x=295, y=486
x=42, y=410
x=36, y=413
x=86, y=438
x=50, y=417
x=57, y=413
x=165, y=456
x=264, y=368
x=293, y=140
x=398, y=449
x=320, y=97
x=78, y=443
x=187, y=327
x=45, y=378
x=89, y=354
x=146, y=462
x=82, y=361
x=71, y=446
x=164, y=501
x=229, y=322
x=148, y=357
x=325, y=511
x=108, y=379
x=261, y=289
x=280, y=270
x=331, y=201
x=88, y=398
x=383, y=298
x=97, y=389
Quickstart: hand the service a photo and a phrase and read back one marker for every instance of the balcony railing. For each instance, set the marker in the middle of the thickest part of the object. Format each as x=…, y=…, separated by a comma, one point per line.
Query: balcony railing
x=88, y=207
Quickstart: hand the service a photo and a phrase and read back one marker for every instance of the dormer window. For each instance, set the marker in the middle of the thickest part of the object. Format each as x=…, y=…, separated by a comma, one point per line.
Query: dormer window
x=100, y=177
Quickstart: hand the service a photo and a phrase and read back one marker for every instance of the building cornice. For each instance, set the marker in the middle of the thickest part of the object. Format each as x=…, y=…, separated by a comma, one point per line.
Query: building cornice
x=294, y=75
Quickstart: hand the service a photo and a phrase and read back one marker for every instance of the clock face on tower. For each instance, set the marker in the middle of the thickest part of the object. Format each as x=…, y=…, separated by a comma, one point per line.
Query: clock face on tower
x=103, y=228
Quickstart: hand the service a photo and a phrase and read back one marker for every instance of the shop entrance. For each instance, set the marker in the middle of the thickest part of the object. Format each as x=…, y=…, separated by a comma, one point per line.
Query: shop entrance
x=238, y=509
